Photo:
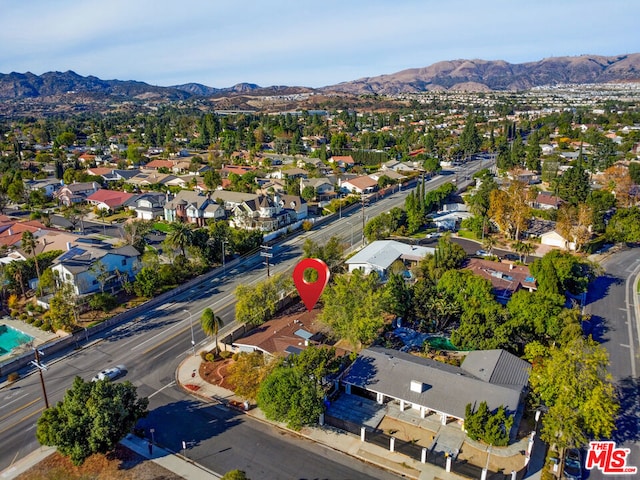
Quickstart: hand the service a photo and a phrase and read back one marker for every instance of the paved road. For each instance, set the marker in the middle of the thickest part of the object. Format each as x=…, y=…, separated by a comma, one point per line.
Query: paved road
x=615, y=323
x=151, y=349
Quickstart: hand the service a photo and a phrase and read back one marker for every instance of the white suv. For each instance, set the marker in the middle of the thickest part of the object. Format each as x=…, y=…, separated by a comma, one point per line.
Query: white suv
x=110, y=373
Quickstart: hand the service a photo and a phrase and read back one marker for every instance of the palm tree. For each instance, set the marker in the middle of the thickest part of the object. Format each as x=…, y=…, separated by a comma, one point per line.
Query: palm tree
x=179, y=236
x=29, y=245
x=527, y=249
x=489, y=243
x=211, y=323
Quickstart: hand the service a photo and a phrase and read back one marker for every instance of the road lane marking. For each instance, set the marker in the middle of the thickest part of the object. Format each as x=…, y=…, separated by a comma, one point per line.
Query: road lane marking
x=625, y=346
x=165, y=340
x=19, y=408
x=140, y=344
x=166, y=386
x=21, y=420
x=15, y=400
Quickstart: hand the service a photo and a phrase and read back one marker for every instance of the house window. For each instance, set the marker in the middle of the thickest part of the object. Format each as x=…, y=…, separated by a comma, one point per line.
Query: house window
x=95, y=282
x=67, y=276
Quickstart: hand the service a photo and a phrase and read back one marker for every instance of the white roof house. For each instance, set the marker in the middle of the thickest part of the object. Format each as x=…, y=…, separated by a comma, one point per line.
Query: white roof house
x=380, y=255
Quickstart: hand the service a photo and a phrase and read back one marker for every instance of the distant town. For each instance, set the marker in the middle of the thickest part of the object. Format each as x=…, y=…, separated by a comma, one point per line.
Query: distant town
x=461, y=305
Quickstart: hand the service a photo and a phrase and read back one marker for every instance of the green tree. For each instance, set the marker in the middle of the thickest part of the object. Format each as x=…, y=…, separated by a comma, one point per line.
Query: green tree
x=212, y=179
x=572, y=273
x=92, y=418
x=257, y=303
x=396, y=296
x=147, y=282
x=573, y=186
x=211, y=323
x=470, y=139
x=353, y=307
x=308, y=193
x=624, y=225
x=61, y=312
x=573, y=382
x=293, y=391
x=180, y=236
x=29, y=245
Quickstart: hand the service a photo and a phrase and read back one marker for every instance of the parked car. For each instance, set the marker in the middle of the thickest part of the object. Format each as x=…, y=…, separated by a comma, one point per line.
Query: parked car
x=110, y=373
x=573, y=465
x=433, y=235
x=483, y=253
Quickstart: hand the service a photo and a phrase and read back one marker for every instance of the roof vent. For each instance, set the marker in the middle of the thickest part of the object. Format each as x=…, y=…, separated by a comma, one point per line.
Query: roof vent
x=416, y=386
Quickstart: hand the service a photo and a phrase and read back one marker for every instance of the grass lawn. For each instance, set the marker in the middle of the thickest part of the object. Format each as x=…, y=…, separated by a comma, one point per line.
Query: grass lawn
x=161, y=227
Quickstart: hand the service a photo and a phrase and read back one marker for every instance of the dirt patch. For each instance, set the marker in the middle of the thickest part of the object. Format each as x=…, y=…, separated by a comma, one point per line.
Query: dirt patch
x=215, y=373
x=424, y=438
x=121, y=464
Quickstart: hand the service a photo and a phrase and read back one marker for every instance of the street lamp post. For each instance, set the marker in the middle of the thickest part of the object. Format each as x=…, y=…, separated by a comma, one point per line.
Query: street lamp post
x=193, y=340
x=224, y=267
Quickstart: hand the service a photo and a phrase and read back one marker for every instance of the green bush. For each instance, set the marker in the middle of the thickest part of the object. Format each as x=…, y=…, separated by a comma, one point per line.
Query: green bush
x=103, y=301
x=210, y=357
x=490, y=427
x=224, y=355
x=37, y=322
x=235, y=357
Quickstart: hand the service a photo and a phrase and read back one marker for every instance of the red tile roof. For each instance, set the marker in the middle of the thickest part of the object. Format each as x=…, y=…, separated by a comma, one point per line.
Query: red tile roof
x=111, y=198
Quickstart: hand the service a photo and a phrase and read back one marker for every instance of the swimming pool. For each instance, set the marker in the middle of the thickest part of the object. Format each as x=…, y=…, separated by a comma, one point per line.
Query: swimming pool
x=11, y=338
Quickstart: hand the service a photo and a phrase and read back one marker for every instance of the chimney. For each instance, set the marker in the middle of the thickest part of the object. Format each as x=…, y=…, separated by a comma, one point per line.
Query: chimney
x=68, y=246
x=511, y=266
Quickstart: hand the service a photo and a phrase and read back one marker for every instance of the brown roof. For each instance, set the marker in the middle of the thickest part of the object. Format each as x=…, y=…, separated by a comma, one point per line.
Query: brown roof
x=506, y=277
x=276, y=335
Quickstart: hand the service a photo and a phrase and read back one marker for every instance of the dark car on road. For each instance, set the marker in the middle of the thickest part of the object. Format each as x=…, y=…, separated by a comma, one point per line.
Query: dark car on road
x=573, y=465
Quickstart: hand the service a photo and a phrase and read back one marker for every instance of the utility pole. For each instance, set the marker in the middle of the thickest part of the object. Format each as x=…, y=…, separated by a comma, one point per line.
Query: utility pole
x=267, y=255
x=40, y=368
x=363, y=218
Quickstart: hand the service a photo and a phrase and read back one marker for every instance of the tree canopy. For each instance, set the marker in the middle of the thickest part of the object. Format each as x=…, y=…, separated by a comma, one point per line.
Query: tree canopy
x=92, y=418
x=573, y=382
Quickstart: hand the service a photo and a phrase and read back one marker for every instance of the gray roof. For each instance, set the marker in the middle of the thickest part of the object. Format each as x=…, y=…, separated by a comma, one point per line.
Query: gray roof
x=445, y=388
x=383, y=253
x=498, y=367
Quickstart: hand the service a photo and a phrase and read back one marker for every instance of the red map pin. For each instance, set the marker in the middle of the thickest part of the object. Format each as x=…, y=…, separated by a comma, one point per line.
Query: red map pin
x=310, y=291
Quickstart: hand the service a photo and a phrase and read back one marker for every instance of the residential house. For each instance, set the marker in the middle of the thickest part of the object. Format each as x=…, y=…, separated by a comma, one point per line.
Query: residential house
x=323, y=187
x=505, y=277
x=230, y=199
x=434, y=388
x=378, y=256
x=547, y=201
x=343, y=161
x=396, y=166
x=108, y=199
x=289, y=173
x=48, y=186
x=295, y=205
x=148, y=206
x=75, y=193
x=157, y=164
x=264, y=213
x=359, y=185
x=554, y=239
x=193, y=207
x=282, y=336
x=89, y=269
x=144, y=179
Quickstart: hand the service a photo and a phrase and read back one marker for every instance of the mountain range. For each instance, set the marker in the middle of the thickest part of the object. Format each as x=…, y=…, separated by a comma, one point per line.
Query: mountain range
x=469, y=75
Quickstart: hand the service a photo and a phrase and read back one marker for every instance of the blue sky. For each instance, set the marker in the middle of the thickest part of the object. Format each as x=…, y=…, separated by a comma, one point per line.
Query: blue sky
x=299, y=42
